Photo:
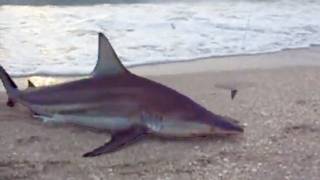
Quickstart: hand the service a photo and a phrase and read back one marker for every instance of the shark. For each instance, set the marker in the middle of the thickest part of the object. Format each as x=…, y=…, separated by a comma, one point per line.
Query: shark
x=115, y=100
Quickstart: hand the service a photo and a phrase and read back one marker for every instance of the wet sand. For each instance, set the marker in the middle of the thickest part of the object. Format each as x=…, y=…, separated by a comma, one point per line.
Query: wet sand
x=278, y=104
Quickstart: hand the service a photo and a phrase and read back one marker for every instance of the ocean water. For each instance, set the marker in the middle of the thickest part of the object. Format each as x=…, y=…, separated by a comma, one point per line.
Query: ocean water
x=54, y=39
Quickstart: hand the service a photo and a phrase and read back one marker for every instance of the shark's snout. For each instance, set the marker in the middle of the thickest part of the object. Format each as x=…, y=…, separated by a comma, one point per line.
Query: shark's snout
x=226, y=125
x=228, y=129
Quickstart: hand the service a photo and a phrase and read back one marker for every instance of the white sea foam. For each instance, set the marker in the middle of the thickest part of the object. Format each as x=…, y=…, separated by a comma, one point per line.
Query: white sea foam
x=63, y=40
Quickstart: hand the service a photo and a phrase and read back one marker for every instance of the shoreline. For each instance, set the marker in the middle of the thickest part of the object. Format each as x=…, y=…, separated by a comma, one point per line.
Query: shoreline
x=304, y=57
x=308, y=56
x=217, y=63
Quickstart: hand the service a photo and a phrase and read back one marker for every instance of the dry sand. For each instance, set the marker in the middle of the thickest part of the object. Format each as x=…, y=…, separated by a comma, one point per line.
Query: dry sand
x=279, y=106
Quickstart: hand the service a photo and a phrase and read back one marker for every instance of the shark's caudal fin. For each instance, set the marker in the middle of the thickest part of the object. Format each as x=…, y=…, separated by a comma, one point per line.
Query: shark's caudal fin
x=108, y=62
x=10, y=86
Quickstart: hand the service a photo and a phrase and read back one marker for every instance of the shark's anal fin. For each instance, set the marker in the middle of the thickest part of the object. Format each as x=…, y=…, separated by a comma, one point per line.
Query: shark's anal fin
x=118, y=141
x=108, y=61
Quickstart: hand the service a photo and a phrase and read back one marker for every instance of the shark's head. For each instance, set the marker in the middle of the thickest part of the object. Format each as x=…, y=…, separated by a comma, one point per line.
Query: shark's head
x=219, y=125
x=223, y=125
x=194, y=122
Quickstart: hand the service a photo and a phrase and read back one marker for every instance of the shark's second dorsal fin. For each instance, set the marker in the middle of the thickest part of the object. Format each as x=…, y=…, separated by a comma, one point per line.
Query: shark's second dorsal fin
x=108, y=62
x=30, y=84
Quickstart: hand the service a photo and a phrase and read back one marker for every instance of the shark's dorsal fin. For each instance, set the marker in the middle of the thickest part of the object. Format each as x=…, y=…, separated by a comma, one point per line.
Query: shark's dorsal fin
x=108, y=62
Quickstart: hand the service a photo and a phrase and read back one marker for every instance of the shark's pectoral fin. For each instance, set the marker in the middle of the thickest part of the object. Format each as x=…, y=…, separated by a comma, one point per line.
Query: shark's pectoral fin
x=118, y=141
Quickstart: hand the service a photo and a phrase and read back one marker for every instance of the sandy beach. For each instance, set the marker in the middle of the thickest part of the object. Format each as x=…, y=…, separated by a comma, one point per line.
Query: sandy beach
x=278, y=103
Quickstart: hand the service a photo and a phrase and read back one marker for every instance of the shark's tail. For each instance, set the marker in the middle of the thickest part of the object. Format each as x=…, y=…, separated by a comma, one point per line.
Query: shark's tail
x=10, y=86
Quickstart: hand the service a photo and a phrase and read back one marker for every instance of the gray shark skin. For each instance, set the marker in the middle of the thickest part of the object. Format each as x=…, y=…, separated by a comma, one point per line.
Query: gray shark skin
x=126, y=105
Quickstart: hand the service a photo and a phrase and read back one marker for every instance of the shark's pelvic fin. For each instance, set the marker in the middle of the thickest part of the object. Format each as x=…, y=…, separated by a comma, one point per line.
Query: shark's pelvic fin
x=108, y=62
x=118, y=141
x=30, y=84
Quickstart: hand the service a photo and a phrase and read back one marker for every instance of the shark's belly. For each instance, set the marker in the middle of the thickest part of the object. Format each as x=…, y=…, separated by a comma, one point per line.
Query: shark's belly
x=97, y=122
x=88, y=115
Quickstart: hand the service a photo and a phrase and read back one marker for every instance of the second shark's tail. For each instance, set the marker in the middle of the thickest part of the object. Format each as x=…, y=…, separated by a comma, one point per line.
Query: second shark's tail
x=10, y=86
